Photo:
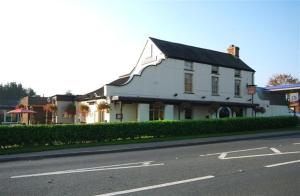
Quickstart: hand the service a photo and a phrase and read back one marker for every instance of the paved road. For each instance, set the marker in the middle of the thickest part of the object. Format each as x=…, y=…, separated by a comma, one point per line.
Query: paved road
x=254, y=167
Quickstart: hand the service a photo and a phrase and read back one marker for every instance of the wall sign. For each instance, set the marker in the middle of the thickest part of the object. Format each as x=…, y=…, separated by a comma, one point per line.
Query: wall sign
x=119, y=116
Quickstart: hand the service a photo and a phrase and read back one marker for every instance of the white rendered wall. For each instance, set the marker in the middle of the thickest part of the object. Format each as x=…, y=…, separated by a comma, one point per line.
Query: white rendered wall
x=166, y=79
x=150, y=55
x=200, y=112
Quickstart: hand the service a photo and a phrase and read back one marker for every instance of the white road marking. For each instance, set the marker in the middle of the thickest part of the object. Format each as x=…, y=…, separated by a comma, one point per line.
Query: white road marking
x=284, y=163
x=101, y=168
x=223, y=155
x=260, y=155
x=233, y=151
x=156, y=186
x=296, y=143
x=275, y=150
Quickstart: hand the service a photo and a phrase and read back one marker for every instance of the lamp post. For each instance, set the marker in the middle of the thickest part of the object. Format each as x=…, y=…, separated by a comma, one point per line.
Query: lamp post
x=251, y=91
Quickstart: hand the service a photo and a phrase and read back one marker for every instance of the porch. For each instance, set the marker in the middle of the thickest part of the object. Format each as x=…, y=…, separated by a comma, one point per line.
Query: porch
x=145, y=109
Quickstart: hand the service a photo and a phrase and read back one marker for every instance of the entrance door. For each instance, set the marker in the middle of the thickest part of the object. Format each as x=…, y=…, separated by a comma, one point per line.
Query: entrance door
x=224, y=112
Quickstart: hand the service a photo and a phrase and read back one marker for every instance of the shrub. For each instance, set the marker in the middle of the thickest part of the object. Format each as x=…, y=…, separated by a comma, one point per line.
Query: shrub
x=70, y=134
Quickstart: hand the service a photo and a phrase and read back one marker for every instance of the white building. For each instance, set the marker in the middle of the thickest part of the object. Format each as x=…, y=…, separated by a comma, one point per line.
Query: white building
x=173, y=81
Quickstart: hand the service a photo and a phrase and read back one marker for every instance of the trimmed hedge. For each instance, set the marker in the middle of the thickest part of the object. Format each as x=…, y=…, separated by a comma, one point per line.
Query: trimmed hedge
x=70, y=134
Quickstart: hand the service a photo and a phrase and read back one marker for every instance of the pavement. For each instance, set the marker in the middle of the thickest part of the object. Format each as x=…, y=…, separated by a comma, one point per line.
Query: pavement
x=140, y=146
x=269, y=165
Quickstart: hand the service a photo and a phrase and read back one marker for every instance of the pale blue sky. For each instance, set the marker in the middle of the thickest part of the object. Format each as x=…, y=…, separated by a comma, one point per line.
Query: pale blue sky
x=86, y=44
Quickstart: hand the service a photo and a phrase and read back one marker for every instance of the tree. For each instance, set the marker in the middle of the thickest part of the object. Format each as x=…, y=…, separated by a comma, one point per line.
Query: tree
x=14, y=91
x=278, y=79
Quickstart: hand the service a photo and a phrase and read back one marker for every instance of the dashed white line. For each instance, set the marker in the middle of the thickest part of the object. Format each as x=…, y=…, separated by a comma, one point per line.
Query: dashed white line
x=261, y=155
x=284, y=163
x=156, y=186
x=234, y=151
x=275, y=150
x=101, y=168
x=296, y=143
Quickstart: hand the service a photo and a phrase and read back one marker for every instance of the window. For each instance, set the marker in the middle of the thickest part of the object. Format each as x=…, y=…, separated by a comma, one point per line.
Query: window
x=188, y=83
x=214, y=69
x=237, y=88
x=237, y=73
x=188, y=113
x=156, y=112
x=214, y=85
x=188, y=65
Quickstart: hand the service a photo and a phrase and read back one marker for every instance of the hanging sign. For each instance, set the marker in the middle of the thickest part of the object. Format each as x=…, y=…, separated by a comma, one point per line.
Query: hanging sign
x=251, y=89
x=294, y=99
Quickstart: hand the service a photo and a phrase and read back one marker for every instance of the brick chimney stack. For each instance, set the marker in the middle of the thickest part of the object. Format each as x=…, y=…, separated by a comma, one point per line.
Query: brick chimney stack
x=233, y=50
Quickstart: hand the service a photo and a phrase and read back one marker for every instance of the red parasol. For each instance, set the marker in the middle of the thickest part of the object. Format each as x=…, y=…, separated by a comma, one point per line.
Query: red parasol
x=21, y=111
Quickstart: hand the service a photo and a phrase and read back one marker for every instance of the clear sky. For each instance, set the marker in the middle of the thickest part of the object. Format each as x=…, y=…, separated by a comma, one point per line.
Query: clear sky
x=55, y=46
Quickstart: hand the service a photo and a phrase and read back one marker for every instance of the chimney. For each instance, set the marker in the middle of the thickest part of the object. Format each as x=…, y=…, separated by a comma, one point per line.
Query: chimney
x=233, y=50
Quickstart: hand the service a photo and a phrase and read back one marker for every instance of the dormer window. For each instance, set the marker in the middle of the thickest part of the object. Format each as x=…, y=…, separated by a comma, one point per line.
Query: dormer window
x=237, y=73
x=214, y=69
x=188, y=65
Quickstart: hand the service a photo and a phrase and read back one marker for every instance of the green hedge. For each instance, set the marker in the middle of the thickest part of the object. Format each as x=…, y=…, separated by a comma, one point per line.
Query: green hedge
x=70, y=134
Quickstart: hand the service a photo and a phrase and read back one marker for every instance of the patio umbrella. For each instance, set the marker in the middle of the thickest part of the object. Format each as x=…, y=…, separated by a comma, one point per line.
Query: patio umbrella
x=22, y=111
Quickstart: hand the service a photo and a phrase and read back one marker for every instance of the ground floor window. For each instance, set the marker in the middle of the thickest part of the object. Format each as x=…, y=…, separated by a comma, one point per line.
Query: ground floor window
x=156, y=111
x=188, y=113
x=239, y=112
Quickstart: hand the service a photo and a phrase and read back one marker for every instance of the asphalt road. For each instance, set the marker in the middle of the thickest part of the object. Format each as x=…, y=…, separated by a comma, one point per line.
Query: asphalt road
x=254, y=167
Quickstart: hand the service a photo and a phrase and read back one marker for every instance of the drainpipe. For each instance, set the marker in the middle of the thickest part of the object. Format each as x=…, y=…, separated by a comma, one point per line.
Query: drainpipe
x=121, y=111
x=178, y=112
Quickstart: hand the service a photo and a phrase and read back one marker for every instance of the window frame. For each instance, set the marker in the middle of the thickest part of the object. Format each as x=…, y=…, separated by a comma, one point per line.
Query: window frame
x=188, y=85
x=156, y=113
x=215, y=70
x=237, y=73
x=215, y=86
x=188, y=65
x=237, y=88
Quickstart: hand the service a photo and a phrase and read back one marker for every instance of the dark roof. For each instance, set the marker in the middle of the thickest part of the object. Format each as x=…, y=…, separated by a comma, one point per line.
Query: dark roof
x=284, y=87
x=275, y=98
x=9, y=102
x=64, y=97
x=200, y=55
x=99, y=93
x=33, y=100
x=119, y=81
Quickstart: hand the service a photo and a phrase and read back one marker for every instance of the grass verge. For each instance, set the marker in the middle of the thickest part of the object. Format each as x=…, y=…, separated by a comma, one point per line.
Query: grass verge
x=27, y=149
